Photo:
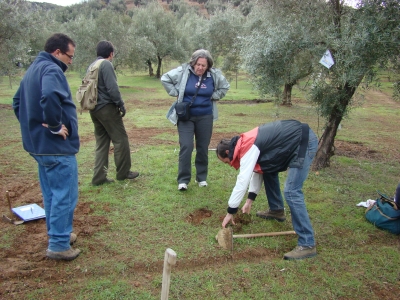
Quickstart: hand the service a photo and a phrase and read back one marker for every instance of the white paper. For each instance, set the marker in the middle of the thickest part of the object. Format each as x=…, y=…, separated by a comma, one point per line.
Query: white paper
x=327, y=59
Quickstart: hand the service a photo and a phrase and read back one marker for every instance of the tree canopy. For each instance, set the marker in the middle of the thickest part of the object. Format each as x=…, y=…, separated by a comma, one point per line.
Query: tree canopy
x=278, y=42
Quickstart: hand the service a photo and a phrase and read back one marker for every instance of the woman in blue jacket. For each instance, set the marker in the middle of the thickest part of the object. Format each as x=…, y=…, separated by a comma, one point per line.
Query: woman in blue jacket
x=183, y=83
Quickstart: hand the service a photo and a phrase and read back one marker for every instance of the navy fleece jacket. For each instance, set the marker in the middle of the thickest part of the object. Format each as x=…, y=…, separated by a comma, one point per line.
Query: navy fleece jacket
x=44, y=96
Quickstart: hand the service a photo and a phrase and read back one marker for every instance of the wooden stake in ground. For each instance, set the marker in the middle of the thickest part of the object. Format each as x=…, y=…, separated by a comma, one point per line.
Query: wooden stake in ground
x=169, y=260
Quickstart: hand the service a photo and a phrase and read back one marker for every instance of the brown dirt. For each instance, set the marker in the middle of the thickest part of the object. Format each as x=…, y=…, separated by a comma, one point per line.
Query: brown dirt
x=24, y=265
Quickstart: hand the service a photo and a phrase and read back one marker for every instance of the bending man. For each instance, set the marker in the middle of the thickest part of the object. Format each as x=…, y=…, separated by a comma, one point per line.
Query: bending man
x=261, y=154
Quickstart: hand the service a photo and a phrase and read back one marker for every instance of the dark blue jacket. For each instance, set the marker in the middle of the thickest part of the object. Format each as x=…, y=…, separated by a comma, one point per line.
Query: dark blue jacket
x=44, y=96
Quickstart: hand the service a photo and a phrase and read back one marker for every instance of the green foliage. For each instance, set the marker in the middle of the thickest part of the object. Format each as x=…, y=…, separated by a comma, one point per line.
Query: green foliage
x=15, y=33
x=224, y=32
x=156, y=25
x=277, y=49
x=279, y=43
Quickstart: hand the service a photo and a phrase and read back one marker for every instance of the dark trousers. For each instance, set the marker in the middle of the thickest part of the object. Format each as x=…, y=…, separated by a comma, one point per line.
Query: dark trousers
x=109, y=126
x=273, y=191
x=200, y=128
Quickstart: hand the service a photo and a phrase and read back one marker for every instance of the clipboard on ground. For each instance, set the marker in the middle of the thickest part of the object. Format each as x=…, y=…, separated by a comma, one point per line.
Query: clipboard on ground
x=29, y=212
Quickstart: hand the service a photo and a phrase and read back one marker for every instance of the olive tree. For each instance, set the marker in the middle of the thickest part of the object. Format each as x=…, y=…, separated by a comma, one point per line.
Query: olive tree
x=278, y=44
x=16, y=26
x=224, y=34
x=88, y=30
x=360, y=40
x=159, y=27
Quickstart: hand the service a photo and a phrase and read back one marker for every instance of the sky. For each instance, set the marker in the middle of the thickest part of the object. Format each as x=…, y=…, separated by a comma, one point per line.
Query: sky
x=70, y=2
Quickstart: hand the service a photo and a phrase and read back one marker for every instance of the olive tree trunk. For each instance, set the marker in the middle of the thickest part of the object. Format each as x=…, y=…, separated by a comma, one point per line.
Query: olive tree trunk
x=158, y=73
x=151, y=72
x=287, y=94
x=326, y=147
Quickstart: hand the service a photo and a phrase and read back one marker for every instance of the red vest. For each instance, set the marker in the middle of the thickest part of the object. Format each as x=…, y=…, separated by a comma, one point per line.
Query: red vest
x=243, y=145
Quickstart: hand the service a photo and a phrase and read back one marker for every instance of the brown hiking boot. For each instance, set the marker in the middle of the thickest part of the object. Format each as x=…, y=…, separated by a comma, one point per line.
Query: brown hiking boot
x=69, y=254
x=278, y=215
x=301, y=252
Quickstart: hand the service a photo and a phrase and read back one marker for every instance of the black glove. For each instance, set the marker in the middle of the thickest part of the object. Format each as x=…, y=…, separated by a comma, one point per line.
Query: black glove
x=122, y=111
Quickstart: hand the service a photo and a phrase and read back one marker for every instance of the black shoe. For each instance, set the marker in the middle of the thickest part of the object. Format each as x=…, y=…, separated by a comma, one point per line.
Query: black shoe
x=103, y=182
x=131, y=175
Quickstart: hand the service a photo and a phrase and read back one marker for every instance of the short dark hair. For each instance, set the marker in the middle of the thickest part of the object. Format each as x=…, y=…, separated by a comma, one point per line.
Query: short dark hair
x=201, y=53
x=104, y=49
x=58, y=41
x=222, y=147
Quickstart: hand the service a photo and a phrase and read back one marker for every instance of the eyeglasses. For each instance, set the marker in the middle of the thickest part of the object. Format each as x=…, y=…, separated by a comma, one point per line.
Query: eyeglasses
x=70, y=56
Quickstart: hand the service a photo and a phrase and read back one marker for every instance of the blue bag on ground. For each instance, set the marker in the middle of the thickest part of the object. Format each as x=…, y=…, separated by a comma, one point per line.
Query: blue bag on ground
x=384, y=214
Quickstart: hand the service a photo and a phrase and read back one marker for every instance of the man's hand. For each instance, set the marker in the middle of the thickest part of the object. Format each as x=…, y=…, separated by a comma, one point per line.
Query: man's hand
x=247, y=206
x=63, y=131
x=122, y=111
x=228, y=217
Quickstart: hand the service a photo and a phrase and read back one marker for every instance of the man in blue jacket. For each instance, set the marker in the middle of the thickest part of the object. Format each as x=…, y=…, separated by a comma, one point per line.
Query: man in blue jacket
x=49, y=127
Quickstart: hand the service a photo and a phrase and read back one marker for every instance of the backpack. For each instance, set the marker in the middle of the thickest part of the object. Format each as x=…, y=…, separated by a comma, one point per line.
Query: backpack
x=87, y=91
x=384, y=214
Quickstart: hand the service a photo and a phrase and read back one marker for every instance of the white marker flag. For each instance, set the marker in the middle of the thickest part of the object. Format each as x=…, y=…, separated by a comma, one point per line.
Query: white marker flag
x=327, y=59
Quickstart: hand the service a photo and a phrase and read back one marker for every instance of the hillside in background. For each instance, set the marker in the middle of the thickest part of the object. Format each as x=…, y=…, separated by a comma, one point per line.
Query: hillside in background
x=202, y=7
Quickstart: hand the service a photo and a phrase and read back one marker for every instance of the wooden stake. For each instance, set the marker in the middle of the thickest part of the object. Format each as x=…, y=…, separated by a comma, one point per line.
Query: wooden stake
x=169, y=260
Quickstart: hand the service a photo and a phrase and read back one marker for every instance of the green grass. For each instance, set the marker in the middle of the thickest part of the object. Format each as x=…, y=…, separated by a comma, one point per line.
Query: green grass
x=131, y=224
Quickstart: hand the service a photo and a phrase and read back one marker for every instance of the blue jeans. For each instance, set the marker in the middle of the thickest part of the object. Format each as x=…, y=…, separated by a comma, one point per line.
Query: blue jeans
x=293, y=191
x=58, y=176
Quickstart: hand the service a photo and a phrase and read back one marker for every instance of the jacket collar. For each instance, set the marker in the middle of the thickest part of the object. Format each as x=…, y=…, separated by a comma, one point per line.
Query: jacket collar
x=48, y=56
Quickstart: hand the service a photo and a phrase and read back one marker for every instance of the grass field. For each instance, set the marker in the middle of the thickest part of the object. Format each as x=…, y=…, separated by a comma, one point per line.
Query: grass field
x=124, y=228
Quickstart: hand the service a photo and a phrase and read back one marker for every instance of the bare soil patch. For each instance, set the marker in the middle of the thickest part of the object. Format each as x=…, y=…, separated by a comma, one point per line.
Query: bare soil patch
x=198, y=216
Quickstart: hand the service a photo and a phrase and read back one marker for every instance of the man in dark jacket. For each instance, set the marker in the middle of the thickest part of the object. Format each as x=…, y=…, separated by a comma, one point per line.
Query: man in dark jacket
x=261, y=154
x=108, y=124
x=47, y=115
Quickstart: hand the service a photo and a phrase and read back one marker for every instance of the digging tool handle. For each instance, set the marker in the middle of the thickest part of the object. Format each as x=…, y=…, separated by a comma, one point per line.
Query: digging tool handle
x=169, y=260
x=9, y=205
x=250, y=235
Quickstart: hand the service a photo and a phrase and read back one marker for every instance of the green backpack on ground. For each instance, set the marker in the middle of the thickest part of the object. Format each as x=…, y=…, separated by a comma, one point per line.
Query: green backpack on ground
x=87, y=91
